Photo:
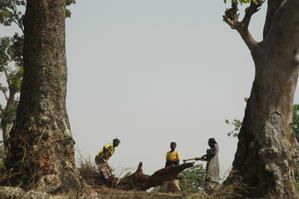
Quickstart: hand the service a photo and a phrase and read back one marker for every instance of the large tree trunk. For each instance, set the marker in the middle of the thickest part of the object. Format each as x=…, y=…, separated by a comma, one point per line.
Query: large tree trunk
x=267, y=148
x=41, y=146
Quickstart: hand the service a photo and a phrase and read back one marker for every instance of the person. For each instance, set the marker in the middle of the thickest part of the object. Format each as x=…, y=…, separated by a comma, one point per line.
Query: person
x=212, y=168
x=173, y=159
x=172, y=156
x=101, y=160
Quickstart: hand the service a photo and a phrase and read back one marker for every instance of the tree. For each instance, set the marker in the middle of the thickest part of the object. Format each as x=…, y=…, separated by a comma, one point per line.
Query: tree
x=2, y=155
x=11, y=62
x=11, y=88
x=296, y=120
x=41, y=153
x=267, y=148
x=237, y=124
x=296, y=131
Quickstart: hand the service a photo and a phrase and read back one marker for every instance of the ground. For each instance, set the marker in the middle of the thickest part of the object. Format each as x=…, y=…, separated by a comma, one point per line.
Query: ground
x=101, y=193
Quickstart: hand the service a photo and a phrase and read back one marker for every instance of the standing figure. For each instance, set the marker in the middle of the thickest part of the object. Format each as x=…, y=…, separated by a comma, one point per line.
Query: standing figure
x=101, y=160
x=212, y=168
x=173, y=159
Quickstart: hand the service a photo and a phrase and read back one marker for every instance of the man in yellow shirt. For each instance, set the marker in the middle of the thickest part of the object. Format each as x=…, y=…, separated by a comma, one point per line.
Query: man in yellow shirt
x=173, y=159
x=102, y=158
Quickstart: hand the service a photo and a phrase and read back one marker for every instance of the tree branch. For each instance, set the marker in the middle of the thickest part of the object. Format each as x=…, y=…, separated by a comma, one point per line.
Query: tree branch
x=4, y=91
x=17, y=21
x=5, y=94
x=231, y=17
x=1, y=109
x=6, y=76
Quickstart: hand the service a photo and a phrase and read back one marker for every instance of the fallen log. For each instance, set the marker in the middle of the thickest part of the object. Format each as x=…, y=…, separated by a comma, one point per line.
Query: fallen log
x=140, y=181
x=136, y=181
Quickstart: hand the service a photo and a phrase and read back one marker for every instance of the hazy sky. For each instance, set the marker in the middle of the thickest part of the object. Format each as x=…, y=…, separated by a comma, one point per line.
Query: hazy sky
x=155, y=71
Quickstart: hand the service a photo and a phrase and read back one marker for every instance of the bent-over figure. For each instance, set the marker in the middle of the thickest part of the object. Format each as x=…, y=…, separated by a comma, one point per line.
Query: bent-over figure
x=101, y=160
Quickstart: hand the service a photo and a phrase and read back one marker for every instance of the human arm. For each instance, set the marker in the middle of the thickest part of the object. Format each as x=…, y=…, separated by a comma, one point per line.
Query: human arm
x=203, y=158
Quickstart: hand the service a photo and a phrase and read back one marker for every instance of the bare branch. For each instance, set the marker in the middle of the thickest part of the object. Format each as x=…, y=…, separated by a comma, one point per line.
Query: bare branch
x=19, y=24
x=17, y=21
x=1, y=109
x=231, y=17
x=5, y=94
x=249, y=11
x=6, y=75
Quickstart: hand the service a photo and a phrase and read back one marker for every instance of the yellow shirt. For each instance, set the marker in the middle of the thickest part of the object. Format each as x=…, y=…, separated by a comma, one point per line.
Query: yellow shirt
x=173, y=156
x=108, y=152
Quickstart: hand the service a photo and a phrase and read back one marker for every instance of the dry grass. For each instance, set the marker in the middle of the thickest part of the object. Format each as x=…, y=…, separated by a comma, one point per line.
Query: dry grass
x=88, y=172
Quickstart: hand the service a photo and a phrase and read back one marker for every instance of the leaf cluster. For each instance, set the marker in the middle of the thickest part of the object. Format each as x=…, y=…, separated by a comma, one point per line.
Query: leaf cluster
x=295, y=123
x=236, y=124
x=193, y=179
x=11, y=50
x=5, y=51
x=12, y=11
x=11, y=60
x=68, y=3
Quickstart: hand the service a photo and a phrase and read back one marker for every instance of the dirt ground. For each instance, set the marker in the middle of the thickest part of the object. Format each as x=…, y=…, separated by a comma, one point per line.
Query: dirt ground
x=99, y=193
x=104, y=193
x=117, y=194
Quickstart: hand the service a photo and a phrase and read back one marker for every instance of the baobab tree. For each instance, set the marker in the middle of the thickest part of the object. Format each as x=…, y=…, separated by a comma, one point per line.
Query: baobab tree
x=40, y=153
x=267, y=148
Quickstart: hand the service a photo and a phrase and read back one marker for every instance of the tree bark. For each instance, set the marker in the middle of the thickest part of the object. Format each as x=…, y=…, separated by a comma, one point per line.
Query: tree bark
x=41, y=153
x=267, y=148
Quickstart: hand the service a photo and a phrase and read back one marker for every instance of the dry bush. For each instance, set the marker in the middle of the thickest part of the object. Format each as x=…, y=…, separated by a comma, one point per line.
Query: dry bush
x=229, y=191
x=233, y=188
x=88, y=172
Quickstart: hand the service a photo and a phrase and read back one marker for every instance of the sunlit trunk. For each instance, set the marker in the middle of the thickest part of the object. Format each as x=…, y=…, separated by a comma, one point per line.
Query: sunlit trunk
x=267, y=147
